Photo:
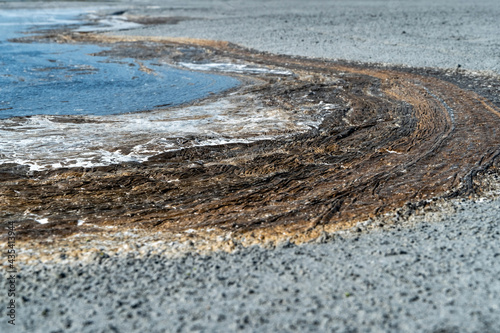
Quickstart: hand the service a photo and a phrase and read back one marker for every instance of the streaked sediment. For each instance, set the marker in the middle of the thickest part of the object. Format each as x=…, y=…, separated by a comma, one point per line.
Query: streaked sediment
x=385, y=138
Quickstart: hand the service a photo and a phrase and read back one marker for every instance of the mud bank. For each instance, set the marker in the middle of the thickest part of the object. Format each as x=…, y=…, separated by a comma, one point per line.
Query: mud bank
x=379, y=139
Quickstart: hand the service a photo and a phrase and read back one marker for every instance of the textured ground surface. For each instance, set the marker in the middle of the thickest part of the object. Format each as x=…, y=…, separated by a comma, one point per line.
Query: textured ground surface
x=382, y=138
x=429, y=269
x=437, y=273
x=444, y=33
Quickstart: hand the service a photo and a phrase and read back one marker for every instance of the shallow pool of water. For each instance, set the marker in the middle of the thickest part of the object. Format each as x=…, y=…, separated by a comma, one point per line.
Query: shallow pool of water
x=64, y=79
x=61, y=107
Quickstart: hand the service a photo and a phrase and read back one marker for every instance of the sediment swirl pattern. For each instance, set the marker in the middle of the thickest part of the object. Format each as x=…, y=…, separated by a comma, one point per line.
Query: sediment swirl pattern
x=387, y=138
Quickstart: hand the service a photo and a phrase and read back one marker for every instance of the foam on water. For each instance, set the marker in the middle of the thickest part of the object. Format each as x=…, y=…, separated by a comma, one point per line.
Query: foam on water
x=234, y=68
x=53, y=82
x=53, y=142
x=109, y=23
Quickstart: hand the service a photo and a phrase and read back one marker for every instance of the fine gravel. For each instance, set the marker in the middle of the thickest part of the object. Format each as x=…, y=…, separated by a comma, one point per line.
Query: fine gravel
x=437, y=273
x=425, y=33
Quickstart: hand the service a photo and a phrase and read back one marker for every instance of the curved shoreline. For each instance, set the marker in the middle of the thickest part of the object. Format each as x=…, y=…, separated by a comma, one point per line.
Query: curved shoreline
x=385, y=138
x=429, y=266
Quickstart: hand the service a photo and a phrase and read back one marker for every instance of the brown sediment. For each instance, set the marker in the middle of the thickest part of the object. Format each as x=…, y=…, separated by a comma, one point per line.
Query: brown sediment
x=389, y=138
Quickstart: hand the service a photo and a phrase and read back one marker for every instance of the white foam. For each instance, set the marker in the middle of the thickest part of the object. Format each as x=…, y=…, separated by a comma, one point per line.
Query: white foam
x=234, y=68
x=43, y=142
x=43, y=221
x=109, y=23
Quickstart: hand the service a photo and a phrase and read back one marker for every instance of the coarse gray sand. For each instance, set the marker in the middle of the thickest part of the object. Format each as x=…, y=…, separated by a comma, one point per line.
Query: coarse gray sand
x=435, y=271
x=425, y=33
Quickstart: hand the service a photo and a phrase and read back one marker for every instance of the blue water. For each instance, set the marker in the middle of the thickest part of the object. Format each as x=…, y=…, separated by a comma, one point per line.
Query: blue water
x=64, y=79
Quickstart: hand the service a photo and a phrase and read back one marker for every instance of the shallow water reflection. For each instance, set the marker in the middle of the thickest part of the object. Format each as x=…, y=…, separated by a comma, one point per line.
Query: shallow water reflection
x=57, y=79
